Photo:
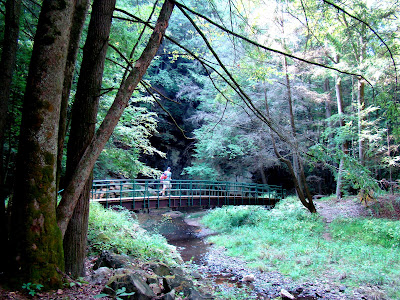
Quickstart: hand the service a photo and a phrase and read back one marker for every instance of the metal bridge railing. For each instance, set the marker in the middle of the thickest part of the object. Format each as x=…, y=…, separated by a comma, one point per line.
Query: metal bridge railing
x=149, y=190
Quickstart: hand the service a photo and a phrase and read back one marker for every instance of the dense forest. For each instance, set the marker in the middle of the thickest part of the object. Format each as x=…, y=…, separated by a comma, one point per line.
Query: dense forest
x=300, y=93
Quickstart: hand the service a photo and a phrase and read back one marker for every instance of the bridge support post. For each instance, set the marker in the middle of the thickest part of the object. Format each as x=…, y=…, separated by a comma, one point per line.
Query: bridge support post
x=120, y=193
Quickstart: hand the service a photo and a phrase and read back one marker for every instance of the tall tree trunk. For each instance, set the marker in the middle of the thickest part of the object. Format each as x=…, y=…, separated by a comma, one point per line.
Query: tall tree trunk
x=85, y=166
x=7, y=65
x=328, y=101
x=296, y=168
x=295, y=157
x=361, y=106
x=305, y=198
x=339, y=98
x=36, y=238
x=361, y=98
x=84, y=117
x=389, y=154
x=78, y=20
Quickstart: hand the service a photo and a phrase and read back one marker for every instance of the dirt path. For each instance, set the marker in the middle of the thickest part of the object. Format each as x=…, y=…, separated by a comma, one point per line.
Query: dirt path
x=349, y=207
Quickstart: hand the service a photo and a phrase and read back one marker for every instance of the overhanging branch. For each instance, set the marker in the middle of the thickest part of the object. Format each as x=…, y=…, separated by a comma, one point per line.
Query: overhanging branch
x=181, y=6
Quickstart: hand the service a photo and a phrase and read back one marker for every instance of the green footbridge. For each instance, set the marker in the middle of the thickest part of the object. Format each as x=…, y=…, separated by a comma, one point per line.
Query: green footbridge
x=140, y=194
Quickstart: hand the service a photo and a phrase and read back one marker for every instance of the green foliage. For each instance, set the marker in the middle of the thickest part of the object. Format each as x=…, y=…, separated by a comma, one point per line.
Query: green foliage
x=201, y=171
x=372, y=231
x=130, y=138
x=118, y=294
x=119, y=230
x=227, y=292
x=117, y=161
x=79, y=282
x=32, y=288
x=222, y=151
x=356, y=175
x=230, y=217
x=166, y=79
x=291, y=240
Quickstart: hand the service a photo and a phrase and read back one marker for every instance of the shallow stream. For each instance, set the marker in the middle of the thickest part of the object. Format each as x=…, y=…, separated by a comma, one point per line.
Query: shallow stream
x=186, y=236
x=184, y=231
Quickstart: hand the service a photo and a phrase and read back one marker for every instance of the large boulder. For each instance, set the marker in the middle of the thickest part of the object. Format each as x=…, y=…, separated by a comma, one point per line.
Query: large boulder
x=159, y=268
x=132, y=282
x=196, y=295
x=101, y=275
x=114, y=261
x=152, y=280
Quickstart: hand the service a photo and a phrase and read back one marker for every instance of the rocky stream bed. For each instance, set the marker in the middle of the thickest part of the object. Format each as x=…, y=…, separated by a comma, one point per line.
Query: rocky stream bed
x=210, y=273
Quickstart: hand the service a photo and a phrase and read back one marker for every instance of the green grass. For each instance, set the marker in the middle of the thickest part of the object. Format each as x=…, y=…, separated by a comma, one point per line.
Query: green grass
x=290, y=239
x=119, y=231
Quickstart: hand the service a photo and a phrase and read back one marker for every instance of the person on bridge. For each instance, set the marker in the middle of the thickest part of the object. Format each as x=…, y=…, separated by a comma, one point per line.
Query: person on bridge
x=166, y=181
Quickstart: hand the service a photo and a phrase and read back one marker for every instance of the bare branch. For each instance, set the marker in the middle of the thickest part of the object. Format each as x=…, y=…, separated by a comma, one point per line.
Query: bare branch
x=160, y=93
x=181, y=6
x=117, y=63
x=145, y=85
x=121, y=55
x=238, y=88
x=140, y=35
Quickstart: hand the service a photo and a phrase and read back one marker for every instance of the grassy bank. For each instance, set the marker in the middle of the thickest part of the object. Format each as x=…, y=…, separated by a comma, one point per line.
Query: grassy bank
x=348, y=252
x=119, y=231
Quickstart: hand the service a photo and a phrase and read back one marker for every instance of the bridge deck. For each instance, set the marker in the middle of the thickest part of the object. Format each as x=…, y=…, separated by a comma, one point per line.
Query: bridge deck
x=183, y=201
x=144, y=194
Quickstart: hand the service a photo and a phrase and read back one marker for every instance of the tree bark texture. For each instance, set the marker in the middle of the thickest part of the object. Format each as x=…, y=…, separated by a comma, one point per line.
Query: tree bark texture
x=305, y=198
x=78, y=20
x=7, y=65
x=85, y=166
x=83, y=121
x=36, y=238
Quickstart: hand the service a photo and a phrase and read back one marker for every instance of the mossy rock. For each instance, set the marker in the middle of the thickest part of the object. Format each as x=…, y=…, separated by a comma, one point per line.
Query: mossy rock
x=159, y=268
x=132, y=283
x=178, y=281
x=113, y=261
x=103, y=237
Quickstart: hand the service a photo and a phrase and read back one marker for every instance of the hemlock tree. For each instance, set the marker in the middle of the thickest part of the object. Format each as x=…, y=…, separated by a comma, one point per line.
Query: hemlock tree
x=35, y=237
x=7, y=65
x=83, y=121
x=78, y=21
x=85, y=166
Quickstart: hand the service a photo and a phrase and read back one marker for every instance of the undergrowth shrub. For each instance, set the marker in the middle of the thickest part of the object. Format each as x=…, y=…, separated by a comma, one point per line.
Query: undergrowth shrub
x=288, y=215
x=282, y=237
x=374, y=231
x=229, y=217
x=119, y=231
